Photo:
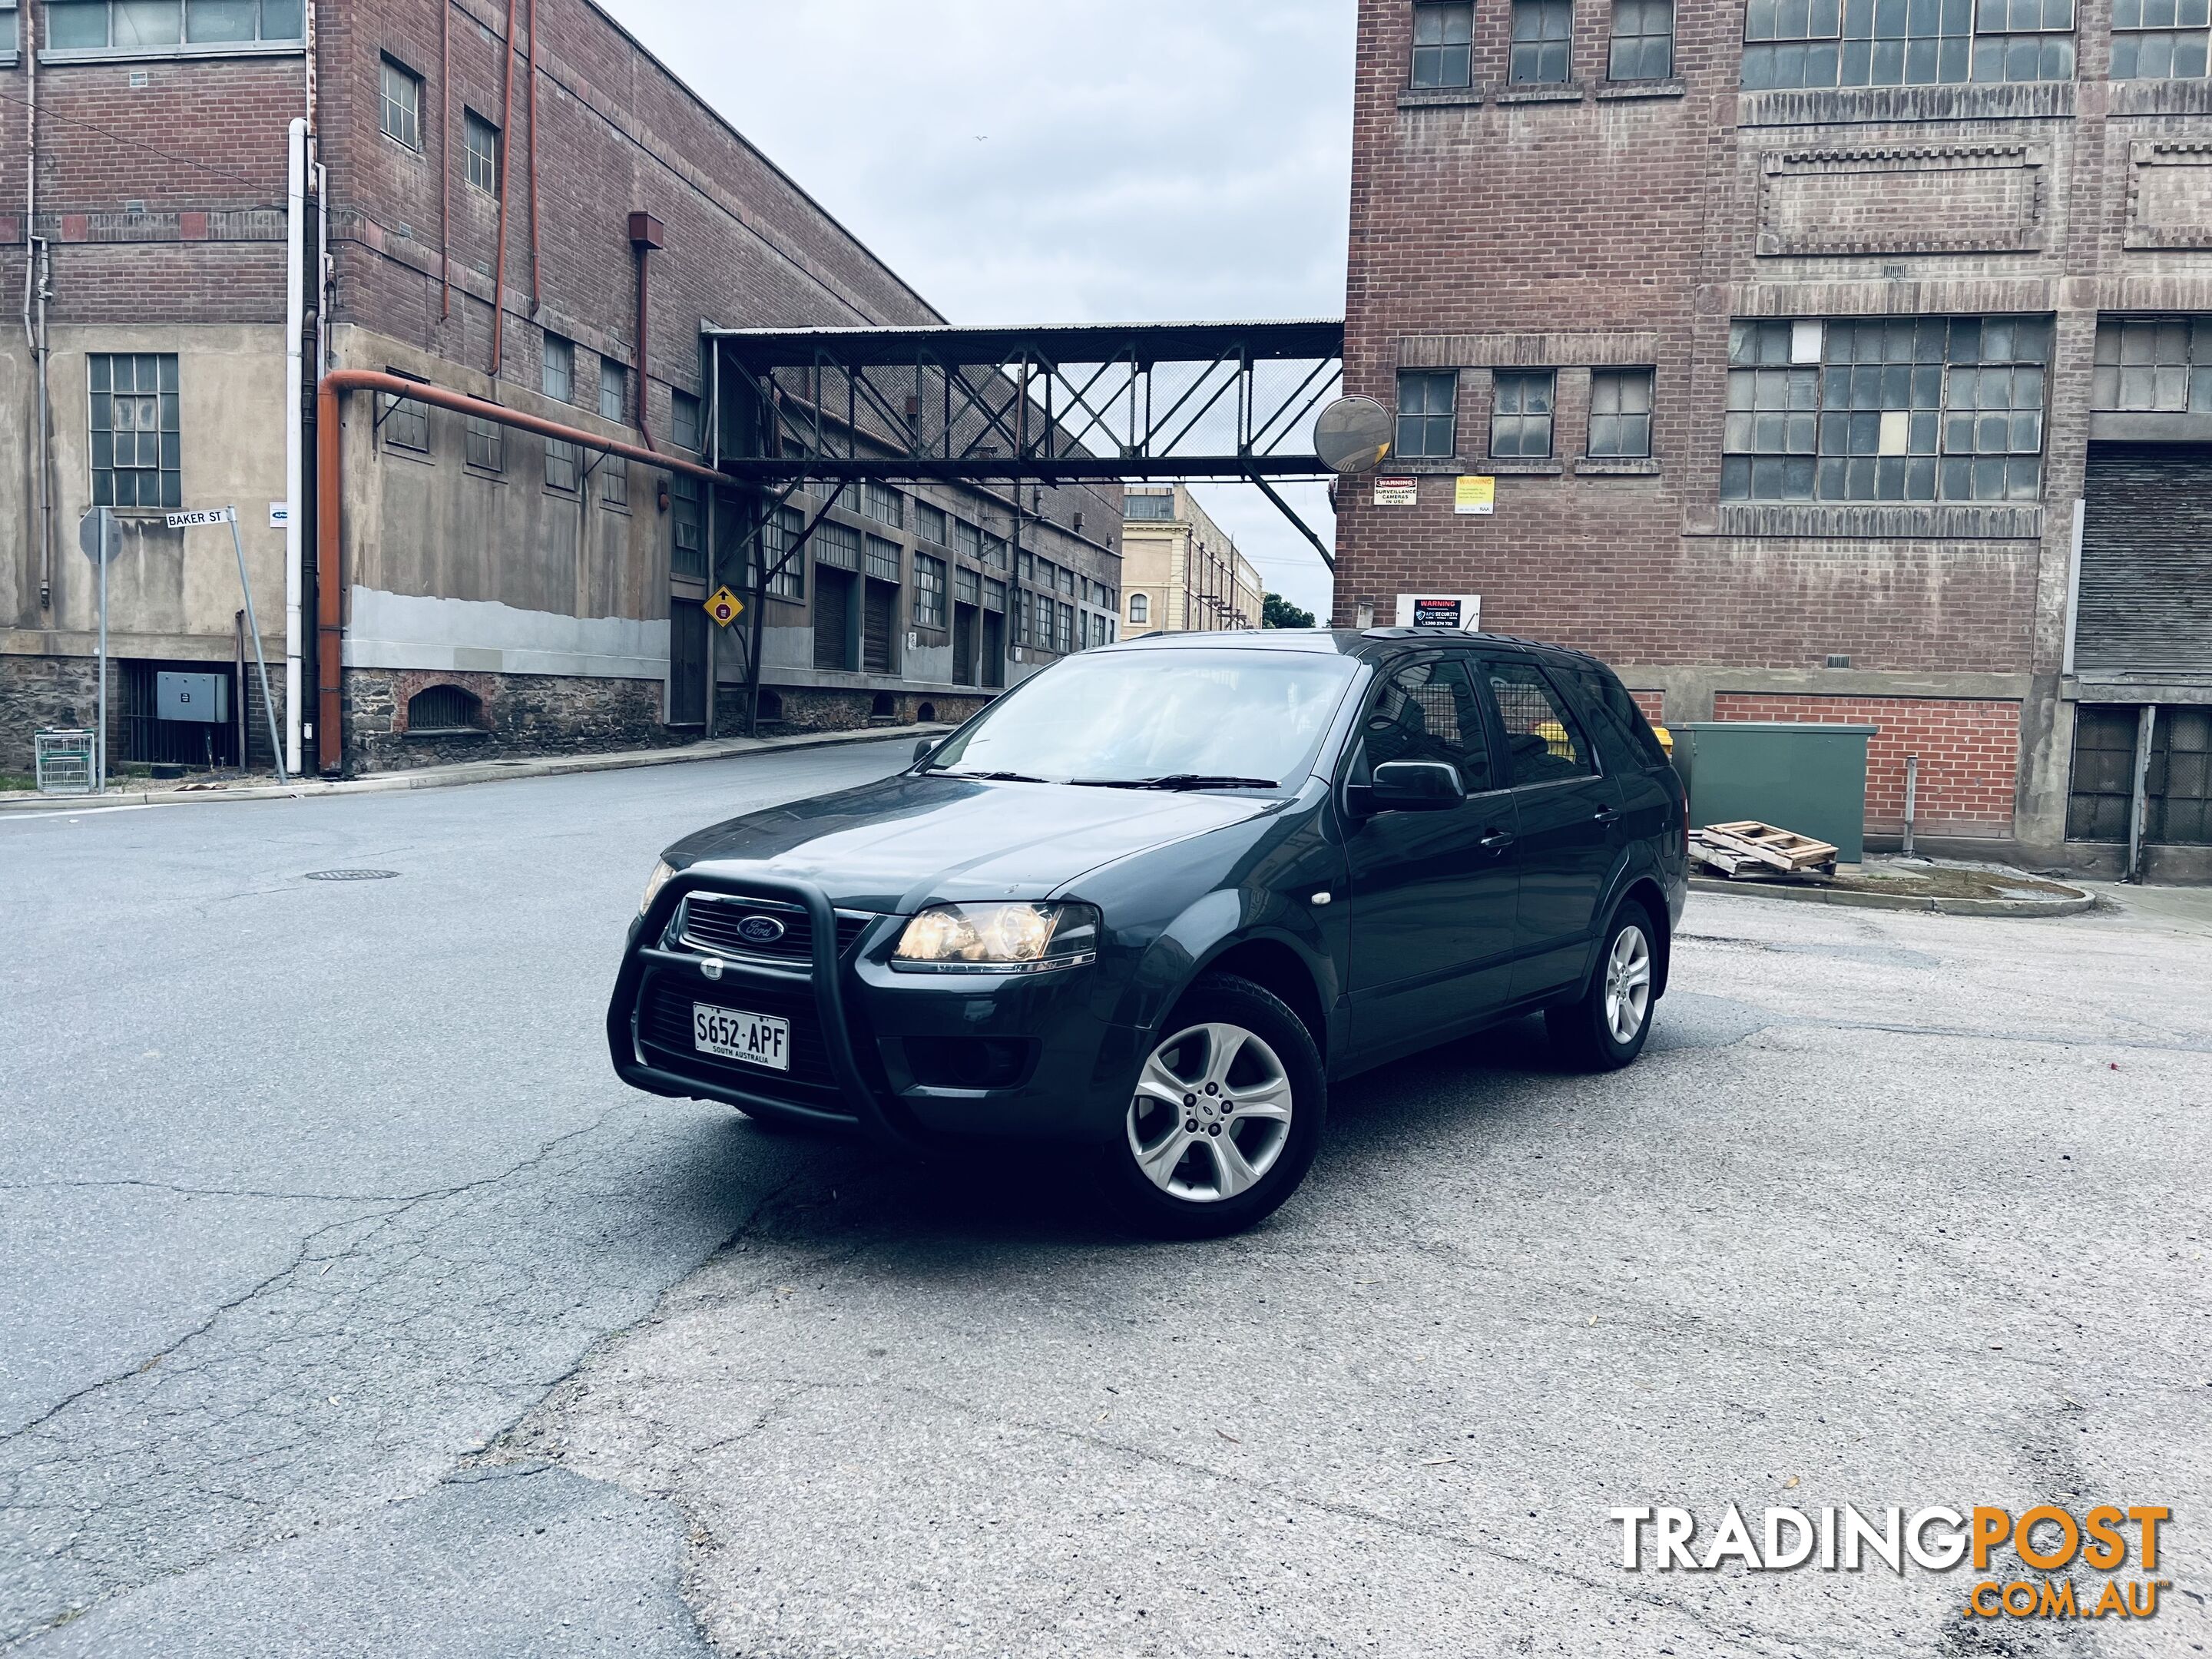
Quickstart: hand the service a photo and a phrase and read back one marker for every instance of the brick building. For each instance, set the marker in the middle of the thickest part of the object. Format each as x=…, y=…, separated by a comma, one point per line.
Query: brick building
x=498, y=591
x=1180, y=572
x=1832, y=360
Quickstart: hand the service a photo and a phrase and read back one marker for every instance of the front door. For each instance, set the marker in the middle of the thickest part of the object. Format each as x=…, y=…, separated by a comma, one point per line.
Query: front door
x=1570, y=827
x=687, y=662
x=995, y=649
x=833, y=618
x=877, y=622
x=964, y=644
x=1432, y=893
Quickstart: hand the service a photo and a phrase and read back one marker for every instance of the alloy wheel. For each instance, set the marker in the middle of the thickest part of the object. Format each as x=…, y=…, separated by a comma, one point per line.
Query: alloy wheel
x=1627, y=984
x=1211, y=1113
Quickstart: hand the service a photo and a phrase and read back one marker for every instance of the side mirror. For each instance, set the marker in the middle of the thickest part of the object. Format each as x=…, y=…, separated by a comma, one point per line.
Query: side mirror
x=924, y=748
x=1416, y=787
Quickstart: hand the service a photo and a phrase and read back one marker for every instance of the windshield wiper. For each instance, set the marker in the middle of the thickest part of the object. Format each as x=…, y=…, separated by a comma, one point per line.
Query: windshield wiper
x=1180, y=780
x=985, y=777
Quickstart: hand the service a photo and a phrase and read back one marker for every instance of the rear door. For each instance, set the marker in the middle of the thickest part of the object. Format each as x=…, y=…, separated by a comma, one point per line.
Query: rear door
x=1433, y=916
x=1570, y=824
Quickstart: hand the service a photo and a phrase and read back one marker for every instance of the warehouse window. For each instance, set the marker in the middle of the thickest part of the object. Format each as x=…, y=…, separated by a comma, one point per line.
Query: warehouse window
x=405, y=421
x=787, y=567
x=1149, y=508
x=614, y=482
x=967, y=539
x=440, y=710
x=929, y=523
x=996, y=553
x=684, y=422
x=130, y=26
x=136, y=447
x=928, y=591
x=2152, y=364
x=1064, y=636
x=1443, y=45
x=2158, y=40
x=480, y=141
x=556, y=373
x=1886, y=409
x=561, y=462
x=1521, y=414
x=1140, y=609
x=400, y=111
x=837, y=545
x=10, y=38
x=1643, y=40
x=1888, y=43
x=1620, y=412
x=884, y=504
x=882, y=560
x=1543, y=33
x=487, y=445
x=614, y=390
x=1427, y=426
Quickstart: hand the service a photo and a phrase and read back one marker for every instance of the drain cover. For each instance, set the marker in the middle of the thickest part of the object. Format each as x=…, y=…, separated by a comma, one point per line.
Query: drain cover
x=352, y=875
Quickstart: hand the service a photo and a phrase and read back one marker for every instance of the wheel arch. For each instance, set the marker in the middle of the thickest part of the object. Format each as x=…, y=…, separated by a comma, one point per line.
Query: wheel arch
x=1277, y=967
x=1644, y=890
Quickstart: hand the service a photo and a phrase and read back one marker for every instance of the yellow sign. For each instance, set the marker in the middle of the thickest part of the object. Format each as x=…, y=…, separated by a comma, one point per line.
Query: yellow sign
x=1475, y=495
x=725, y=607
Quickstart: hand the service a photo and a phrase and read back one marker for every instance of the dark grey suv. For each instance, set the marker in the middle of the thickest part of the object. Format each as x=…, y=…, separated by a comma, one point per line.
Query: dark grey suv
x=1156, y=898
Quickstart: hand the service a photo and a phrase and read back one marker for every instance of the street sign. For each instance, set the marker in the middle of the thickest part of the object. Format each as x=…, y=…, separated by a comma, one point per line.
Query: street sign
x=1352, y=435
x=725, y=607
x=96, y=548
x=211, y=515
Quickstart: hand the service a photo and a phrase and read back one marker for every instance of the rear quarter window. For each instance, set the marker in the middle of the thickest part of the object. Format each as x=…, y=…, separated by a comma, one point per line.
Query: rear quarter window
x=1621, y=723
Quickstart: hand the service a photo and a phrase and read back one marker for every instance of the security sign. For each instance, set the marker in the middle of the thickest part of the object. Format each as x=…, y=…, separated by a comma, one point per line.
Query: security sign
x=725, y=607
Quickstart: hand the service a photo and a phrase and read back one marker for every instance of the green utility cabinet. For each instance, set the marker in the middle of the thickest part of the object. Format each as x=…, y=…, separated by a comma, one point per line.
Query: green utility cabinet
x=1806, y=778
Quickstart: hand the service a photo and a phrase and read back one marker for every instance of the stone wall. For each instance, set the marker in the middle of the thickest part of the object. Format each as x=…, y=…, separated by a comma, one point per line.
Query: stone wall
x=38, y=694
x=515, y=715
x=809, y=709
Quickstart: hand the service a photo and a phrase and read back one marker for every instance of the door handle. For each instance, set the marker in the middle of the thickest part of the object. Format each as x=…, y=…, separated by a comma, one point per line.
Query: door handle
x=1607, y=815
x=1496, y=841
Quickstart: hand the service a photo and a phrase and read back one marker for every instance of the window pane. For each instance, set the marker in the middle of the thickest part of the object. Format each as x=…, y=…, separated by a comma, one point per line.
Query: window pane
x=481, y=158
x=76, y=25
x=281, y=20
x=220, y=20
x=146, y=23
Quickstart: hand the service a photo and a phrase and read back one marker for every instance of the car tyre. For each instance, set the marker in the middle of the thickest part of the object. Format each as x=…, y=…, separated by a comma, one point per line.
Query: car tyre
x=1607, y=1028
x=1236, y=1063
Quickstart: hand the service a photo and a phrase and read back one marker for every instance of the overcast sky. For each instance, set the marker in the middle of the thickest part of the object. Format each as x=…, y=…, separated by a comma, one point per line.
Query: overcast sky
x=1079, y=160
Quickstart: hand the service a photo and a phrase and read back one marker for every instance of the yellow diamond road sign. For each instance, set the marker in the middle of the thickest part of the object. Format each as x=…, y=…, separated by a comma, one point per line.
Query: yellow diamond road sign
x=725, y=607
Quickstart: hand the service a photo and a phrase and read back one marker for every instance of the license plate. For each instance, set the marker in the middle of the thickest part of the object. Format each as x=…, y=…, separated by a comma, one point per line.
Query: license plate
x=730, y=1034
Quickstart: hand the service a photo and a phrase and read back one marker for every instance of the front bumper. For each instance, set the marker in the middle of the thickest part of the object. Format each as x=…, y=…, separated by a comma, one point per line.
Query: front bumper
x=870, y=1046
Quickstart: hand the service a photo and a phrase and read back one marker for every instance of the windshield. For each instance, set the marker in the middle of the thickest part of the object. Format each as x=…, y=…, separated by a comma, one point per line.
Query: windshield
x=1164, y=719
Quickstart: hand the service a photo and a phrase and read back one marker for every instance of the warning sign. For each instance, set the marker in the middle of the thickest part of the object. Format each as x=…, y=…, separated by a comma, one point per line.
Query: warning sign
x=1462, y=611
x=1475, y=495
x=1397, y=492
x=725, y=607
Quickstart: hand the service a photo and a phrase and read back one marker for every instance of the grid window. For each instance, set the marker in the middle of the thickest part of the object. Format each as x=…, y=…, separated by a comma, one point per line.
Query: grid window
x=614, y=482
x=1543, y=31
x=687, y=521
x=1889, y=43
x=1140, y=609
x=1444, y=46
x=9, y=39
x=884, y=504
x=1887, y=409
x=967, y=586
x=561, y=462
x=487, y=445
x=995, y=552
x=881, y=560
x=1620, y=412
x=405, y=421
x=556, y=375
x=929, y=523
x=136, y=25
x=400, y=111
x=136, y=447
x=684, y=421
x=1156, y=507
x=2158, y=40
x=614, y=390
x=1067, y=579
x=837, y=545
x=967, y=540
x=787, y=568
x=1427, y=422
x=1643, y=40
x=1064, y=636
x=480, y=139
x=1521, y=414
x=2151, y=365
x=928, y=591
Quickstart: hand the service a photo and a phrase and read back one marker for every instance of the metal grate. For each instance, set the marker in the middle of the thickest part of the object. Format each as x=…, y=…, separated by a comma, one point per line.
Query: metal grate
x=65, y=762
x=720, y=926
x=353, y=875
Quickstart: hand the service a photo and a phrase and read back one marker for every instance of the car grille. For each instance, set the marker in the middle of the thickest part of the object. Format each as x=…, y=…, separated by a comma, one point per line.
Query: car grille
x=715, y=924
x=664, y=1032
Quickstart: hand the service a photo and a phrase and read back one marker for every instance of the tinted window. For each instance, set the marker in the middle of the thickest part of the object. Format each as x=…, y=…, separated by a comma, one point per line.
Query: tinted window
x=1127, y=715
x=1543, y=741
x=1617, y=716
x=1428, y=711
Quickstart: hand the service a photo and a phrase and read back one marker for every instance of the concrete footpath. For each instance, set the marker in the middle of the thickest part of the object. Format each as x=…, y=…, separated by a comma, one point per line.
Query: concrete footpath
x=440, y=777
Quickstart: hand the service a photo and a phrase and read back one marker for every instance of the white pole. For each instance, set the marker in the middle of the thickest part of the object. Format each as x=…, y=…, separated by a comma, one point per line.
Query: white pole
x=106, y=552
x=294, y=486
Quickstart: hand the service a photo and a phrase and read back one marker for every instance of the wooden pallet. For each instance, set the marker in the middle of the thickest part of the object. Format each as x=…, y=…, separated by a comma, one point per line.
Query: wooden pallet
x=1756, y=848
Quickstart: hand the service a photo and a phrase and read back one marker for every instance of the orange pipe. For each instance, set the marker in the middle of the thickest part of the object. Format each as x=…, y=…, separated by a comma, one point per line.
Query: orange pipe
x=505, y=147
x=530, y=100
x=445, y=159
x=330, y=626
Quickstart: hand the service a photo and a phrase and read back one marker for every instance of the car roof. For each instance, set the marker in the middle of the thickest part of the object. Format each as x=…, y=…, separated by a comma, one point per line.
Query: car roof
x=1338, y=641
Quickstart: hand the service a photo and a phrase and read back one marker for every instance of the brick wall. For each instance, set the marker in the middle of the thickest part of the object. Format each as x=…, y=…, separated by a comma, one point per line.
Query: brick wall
x=1969, y=754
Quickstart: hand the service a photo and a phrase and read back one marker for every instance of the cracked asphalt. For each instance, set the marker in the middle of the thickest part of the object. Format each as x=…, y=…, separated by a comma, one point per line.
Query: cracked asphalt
x=355, y=1307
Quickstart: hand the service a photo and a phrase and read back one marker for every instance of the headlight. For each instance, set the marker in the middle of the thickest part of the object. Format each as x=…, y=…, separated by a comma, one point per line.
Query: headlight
x=1001, y=939
x=659, y=879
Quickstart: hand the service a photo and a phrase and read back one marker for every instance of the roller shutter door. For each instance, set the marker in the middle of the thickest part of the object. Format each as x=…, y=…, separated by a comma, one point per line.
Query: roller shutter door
x=2146, y=599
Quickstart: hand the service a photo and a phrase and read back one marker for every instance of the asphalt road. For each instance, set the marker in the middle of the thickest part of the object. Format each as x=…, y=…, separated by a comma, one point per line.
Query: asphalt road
x=354, y=1308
